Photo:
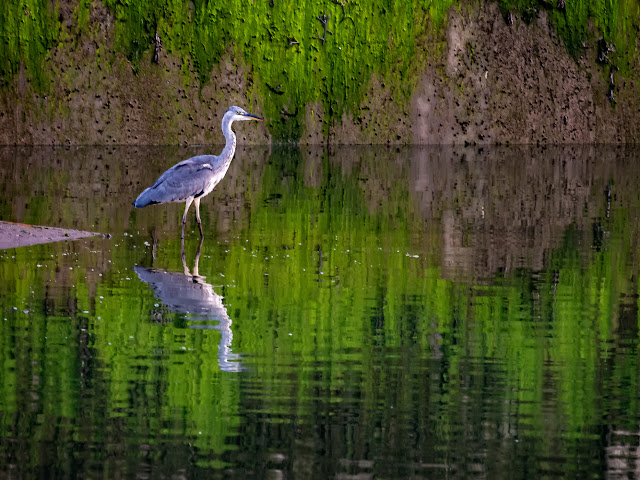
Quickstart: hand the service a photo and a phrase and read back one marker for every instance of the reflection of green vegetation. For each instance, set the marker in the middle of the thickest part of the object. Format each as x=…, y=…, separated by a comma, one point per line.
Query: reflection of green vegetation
x=342, y=327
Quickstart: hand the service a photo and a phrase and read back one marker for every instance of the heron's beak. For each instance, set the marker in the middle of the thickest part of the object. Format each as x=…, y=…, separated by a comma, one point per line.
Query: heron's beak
x=253, y=117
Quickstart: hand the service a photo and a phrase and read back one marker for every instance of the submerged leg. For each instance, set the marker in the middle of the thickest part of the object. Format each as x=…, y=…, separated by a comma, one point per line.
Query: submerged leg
x=197, y=204
x=184, y=217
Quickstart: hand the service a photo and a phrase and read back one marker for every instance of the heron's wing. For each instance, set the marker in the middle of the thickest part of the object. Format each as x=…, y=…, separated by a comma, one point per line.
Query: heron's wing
x=184, y=180
x=184, y=166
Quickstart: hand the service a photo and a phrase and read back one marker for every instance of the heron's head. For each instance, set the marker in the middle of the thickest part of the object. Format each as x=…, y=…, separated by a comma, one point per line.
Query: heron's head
x=239, y=114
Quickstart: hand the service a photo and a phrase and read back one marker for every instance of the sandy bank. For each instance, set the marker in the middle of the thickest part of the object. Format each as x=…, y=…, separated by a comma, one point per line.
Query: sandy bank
x=14, y=235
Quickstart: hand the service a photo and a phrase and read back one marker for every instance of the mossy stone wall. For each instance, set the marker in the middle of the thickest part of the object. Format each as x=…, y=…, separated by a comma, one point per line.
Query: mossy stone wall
x=293, y=53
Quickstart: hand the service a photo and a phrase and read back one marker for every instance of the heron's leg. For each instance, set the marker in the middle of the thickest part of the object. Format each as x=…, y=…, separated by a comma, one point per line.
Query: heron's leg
x=184, y=217
x=197, y=204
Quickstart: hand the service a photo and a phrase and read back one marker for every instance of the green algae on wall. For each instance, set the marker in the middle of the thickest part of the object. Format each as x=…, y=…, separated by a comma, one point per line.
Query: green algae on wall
x=28, y=29
x=320, y=52
x=583, y=21
x=301, y=52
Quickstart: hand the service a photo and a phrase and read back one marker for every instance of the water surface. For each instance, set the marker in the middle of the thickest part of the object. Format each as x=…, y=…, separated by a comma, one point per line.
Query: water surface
x=357, y=313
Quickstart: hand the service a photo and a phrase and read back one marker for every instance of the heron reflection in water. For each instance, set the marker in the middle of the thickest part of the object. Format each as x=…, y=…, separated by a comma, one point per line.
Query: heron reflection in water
x=188, y=293
x=192, y=179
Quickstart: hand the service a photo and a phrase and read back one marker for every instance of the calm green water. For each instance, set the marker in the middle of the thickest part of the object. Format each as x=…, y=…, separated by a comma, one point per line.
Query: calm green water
x=357, y=313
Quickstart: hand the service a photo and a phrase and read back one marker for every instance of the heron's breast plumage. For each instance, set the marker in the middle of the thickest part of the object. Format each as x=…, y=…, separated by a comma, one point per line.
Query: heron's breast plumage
x=212, y=179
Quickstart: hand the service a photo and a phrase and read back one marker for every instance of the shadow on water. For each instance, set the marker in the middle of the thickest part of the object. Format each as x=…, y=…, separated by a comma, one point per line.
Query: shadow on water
x=397, y=313
x=189, y=294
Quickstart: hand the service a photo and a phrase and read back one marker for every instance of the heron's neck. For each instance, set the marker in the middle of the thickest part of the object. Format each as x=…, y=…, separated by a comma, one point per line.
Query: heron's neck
x=230, y=145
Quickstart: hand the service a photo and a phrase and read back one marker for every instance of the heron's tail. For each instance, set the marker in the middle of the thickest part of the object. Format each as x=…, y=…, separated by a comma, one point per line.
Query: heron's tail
x=144, y=199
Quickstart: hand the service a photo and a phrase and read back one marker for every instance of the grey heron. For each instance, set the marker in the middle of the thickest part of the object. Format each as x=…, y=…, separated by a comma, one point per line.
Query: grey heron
x=192, y=179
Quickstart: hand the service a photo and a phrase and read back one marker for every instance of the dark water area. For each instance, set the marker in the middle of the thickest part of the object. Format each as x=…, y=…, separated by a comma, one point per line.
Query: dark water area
x=355, y=313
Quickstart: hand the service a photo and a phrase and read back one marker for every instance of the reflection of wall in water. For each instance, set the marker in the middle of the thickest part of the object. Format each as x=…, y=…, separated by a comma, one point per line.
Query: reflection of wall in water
x=504, y=208
x=497, y=207
x=622, y=454
x=91, y=188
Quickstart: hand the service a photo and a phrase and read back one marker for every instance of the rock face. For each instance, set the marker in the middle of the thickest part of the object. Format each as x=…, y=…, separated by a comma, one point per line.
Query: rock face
x=479, y=79
x=517, y=84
